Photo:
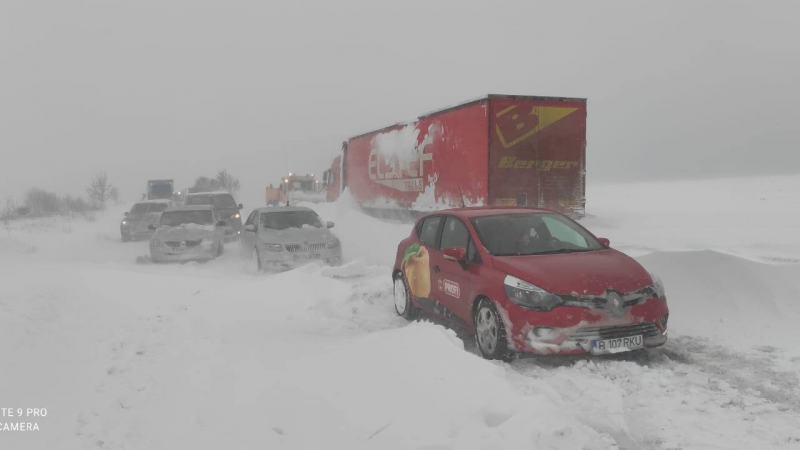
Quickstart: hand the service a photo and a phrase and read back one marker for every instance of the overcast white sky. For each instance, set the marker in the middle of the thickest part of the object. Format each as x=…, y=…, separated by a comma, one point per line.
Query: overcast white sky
x=152, y=89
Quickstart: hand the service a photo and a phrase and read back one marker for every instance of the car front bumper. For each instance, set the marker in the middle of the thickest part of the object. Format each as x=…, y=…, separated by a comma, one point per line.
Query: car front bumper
x=286, y=260
x=176, y=254
x=136, y=232
x=570, y=330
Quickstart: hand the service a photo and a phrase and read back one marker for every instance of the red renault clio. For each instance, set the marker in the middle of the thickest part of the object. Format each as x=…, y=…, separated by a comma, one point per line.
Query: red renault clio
x=528, y=281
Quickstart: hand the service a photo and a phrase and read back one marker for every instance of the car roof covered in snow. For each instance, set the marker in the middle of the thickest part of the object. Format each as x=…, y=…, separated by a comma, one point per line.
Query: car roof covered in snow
x=190, y=208
x=267, y=209
x=209, y=193
x=481, y=211
x=158, y=200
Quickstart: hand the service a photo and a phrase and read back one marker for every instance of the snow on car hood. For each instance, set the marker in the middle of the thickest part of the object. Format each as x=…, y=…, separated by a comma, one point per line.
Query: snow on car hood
x=182, y=233
x=307, y=233
x=585, y=273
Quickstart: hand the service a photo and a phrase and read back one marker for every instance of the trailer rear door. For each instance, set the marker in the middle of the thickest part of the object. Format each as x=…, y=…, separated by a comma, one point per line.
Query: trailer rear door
x=537, y=153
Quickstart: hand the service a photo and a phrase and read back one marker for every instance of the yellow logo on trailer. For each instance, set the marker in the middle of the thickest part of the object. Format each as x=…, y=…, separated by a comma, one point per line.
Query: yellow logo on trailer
x=513, y=124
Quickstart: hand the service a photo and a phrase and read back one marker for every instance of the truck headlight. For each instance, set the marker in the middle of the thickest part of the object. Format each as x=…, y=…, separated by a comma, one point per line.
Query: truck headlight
x=528, y=295
x=658, y=285
x=334, y=243
x=273, y=247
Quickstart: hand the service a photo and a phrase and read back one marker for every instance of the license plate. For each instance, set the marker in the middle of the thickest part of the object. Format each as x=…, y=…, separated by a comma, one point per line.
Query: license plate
x=177, y=249
x=617, y=345
x=307, y=256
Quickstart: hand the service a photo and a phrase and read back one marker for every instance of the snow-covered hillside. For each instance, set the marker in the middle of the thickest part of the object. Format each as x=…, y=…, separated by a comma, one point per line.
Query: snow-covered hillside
x=208, y=356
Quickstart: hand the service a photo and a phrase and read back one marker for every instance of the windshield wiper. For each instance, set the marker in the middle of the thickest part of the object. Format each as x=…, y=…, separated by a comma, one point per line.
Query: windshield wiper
x=562, y=250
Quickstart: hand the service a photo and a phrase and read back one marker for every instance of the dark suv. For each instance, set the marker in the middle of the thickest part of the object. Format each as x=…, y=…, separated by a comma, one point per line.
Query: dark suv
x=225, y=206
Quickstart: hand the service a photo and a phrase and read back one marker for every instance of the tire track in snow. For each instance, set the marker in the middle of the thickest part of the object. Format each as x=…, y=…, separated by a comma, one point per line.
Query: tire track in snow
x=745, y=371
x=689, y=393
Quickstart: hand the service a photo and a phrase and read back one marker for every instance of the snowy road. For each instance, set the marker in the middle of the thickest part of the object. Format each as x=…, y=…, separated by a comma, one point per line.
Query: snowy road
x=138, y=356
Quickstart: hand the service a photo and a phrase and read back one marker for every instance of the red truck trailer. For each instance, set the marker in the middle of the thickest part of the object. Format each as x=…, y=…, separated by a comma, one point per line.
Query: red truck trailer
x=499, y=150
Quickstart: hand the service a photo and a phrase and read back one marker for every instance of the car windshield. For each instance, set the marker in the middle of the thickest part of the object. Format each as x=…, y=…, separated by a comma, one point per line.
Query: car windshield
x=143, y=208
x=218, y=201
x=532, y=234
x=179, y=218
x=290, y=219
x=157, y=207
x=139, y=208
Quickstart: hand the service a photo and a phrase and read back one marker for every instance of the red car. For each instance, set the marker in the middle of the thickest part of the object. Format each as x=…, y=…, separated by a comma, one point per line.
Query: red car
x=528, y=281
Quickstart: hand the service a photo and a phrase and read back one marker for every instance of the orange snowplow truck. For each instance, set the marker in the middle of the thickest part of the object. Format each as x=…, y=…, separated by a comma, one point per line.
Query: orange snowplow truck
x=295, y=188
x=274, y=195
x=504, y=150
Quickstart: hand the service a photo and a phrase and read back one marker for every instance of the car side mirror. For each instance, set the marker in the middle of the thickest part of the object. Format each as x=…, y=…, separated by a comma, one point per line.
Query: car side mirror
x=240, y=206
x=458, y=254
x=329, y=224
x=151, y=227
x=250, y=227
x=604, y=242
x=126, y=213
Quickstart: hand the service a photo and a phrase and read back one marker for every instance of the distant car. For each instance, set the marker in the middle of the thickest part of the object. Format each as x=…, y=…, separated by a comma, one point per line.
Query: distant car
x=224, y=205
x=187, y=233
x=137, y=221
x=287, y=236
x=528, y=281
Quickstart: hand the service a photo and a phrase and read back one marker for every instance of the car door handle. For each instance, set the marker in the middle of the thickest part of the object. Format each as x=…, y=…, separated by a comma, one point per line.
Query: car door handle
x=436, y=269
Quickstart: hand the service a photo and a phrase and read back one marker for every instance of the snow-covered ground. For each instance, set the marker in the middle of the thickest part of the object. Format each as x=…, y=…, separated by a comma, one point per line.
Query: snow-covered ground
x=209, y=356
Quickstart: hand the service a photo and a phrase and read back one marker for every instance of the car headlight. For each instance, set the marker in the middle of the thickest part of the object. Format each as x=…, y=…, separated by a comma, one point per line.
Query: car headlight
x=334, y=243
x=156, y=242
x=273, y=247
x=528, y=295
x=124, y=222
x=236, y=216
x=658, y=285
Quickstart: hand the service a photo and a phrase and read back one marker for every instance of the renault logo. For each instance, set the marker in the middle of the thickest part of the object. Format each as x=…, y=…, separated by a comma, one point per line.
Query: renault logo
x=615, y=304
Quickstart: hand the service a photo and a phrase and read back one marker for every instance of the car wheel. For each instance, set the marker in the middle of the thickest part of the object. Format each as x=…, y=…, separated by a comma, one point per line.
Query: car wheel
x=490, y=333
x=402, y=299
x=220, y=249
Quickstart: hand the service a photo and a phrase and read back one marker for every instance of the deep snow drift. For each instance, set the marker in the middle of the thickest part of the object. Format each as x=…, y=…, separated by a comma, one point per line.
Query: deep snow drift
x=142, y=356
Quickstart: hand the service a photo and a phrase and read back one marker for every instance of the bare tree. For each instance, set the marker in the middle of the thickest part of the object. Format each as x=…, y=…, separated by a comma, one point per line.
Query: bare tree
x=42, y=202
x=113, y=194
x=99, y=189
x=10, y=209
x=227, y=181
x=205, y=184
x=9, y=213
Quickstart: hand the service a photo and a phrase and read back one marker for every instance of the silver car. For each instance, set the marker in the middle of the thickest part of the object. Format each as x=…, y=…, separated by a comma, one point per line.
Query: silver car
x=187, y=233
x=137, y=221
x=224, y=205
x=285, y=237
